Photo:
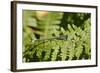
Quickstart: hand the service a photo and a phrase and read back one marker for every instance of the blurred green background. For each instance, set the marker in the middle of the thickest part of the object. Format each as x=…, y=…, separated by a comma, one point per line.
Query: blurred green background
x=56, y=36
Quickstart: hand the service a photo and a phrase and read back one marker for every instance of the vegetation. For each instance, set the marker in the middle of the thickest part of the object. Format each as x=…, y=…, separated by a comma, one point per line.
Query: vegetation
x=56, y=36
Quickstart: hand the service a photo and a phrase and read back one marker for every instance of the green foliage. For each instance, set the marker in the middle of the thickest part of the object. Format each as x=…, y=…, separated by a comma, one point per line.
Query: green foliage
x=44, y=42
